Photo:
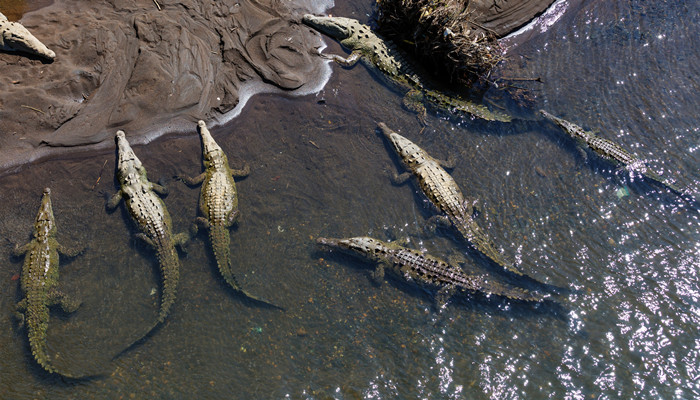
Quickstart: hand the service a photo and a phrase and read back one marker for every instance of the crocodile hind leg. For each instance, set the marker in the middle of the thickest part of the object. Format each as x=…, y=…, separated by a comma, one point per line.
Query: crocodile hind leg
x=181, y=240
x=378, y=274
x=67, y=303
x=443, y=296
x=20, y=309
x=413, y=101
x=70, y=252
x=437, y=221
x=400, y=179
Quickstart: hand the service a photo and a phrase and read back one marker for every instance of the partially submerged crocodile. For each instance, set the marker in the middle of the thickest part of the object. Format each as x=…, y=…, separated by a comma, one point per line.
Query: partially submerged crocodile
x=16, y=38
x=424, y=269
x=150, y=215
x=39, y=283
x=218, y=203
x=611, y=152
x=374, y=51
x=442, y=190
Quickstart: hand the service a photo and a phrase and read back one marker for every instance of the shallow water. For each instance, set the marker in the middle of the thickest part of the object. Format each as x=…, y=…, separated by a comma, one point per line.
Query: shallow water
x=628, y=329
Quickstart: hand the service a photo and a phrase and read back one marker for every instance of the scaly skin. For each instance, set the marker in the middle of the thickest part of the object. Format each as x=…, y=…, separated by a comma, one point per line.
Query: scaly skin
x=424, y=269
x=610, y=151
x=218, y=203
x=40, y=283
x=444, y=193
x=376, y=52
x=151, y=217
x=16, y=38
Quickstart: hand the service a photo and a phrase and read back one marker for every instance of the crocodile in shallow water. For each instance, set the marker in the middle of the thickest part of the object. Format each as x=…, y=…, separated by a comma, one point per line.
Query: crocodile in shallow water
x=39, y=283
x=442, y=190
x=218, y=203
x=150, y=215
x=611, y=152
x=374, y=51
x=424, y=269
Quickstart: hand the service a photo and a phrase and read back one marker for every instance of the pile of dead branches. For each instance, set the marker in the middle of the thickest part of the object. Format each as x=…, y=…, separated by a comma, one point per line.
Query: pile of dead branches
x=441, y=34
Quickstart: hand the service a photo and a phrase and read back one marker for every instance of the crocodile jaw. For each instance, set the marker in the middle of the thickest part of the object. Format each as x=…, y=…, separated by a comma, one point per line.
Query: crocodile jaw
x=335, y=27
x=45, y=225
x=126, y=156
x=361, y=245
x=210, y=149
x=409, y=151
x=15, y=37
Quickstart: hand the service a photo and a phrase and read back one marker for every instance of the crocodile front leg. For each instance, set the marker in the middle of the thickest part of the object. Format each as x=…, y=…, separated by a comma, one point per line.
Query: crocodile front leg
x=348, y=62
x=240, y=173
x=19, y=251
x=113, y=201
x=192, y=181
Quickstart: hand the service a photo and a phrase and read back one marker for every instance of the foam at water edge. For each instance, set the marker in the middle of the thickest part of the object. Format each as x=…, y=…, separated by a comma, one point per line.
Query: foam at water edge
x=544, y=21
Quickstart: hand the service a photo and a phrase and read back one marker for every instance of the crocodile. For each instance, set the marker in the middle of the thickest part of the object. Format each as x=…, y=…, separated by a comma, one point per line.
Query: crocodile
x=383, y=55
x=424, y=270
x=611, y=152
x=148, y=210
x=218, y=203
x=39, y=282
x=15, y=37
x=444, y=193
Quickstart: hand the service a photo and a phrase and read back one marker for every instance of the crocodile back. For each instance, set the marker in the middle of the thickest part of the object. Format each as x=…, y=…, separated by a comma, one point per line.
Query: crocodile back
x=611, y=151
x=219, y=198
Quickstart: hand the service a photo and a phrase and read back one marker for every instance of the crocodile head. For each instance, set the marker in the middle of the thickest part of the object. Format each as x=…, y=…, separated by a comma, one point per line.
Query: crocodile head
x=45, y=224
x=128, y=165
x=338, y=28
x=15, y=37
x=211, y=151
x=361, y=245
x=409, y=152
x=571, y=129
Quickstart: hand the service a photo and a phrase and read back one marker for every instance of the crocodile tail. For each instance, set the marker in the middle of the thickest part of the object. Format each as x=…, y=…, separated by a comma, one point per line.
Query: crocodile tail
x=170, y=274
x=37, y=316
x=466, y=106
x=477, y=238
x=221, y=245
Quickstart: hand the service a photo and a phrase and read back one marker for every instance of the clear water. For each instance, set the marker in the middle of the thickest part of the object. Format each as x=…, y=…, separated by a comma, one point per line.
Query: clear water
x=628, y=251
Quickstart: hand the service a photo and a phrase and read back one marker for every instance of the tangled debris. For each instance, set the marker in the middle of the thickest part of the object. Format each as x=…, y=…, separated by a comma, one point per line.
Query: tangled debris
x=444, y=35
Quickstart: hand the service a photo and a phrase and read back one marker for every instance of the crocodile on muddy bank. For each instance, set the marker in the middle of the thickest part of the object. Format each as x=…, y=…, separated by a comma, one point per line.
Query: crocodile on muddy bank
x=424, y=270
x=218, y=204
x=14, y=37
x=39, y=282
x=148, y=211
x=383, y=55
